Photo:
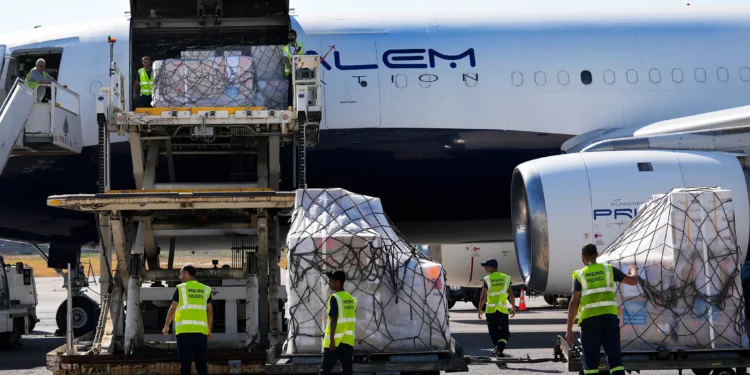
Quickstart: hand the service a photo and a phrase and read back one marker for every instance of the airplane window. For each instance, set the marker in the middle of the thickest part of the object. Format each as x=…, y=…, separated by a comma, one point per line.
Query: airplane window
x=632, y=76
x=586, y=78
x=654, y=75
x=700, y=75
x=563, y=78
x=517, y=78
x=745, y=74
x=540, y=78
x=645, y=167
x=723, y=74
x=677, y=76
x=609, y=77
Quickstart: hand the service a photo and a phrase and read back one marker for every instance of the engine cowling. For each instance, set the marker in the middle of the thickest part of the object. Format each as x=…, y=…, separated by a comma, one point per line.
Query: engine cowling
x=562, y=202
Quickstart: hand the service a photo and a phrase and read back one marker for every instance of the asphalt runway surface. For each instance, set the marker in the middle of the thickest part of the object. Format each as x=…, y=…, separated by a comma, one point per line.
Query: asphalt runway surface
x=532, y=333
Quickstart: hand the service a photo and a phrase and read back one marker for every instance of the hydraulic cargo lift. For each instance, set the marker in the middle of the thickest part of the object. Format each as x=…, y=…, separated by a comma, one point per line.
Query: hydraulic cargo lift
x=125, y=339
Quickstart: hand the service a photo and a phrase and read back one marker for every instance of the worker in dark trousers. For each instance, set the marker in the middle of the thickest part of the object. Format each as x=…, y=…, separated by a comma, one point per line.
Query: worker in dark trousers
x=193, y=315
x=338, y=342
x=293, y=48
x=143, y=87
x=496, y=290
x=594, y=302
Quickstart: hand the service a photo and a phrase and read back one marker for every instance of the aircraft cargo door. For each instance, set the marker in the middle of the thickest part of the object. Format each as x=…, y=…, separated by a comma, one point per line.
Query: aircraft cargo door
x=351, y=90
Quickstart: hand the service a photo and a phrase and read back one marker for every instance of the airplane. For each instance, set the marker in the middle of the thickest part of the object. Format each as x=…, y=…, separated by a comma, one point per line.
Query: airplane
x=428, y=108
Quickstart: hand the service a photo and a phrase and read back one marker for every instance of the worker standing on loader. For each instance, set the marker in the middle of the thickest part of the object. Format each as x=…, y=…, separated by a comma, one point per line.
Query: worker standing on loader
x=143, y=86
x=594, y=289
x=338, y=342
x=495, y=290
x=193, y=314
x=293, y=48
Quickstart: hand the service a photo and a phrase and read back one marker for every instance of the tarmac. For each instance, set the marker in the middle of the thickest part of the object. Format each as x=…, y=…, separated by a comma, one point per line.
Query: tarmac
x=532, y=334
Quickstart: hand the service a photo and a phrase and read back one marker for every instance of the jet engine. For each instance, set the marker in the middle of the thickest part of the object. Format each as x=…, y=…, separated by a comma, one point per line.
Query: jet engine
x=562, y=202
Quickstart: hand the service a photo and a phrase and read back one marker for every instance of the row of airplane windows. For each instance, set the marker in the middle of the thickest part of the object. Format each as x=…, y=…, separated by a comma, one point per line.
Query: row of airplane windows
x=654, y=75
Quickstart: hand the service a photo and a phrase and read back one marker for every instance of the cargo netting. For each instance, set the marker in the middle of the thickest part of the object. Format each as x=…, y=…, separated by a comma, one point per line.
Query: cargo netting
x=689, y=293
x=401, y=293
x=222, y=77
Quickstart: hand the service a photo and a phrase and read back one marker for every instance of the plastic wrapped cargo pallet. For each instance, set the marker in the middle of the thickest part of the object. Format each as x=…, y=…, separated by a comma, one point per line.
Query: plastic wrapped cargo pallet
x=401, y=293
x=689, y=294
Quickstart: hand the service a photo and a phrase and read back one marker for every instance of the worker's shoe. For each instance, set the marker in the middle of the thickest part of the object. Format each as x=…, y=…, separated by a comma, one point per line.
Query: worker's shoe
x=498, y=352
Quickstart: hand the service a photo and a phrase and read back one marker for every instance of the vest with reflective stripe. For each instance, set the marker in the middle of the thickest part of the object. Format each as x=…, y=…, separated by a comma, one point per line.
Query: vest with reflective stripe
x=191, y=314
x=288, y=53
x=497, y=292
x=35, y=84
x=347, y=320
x=597, y=291
x=146, y=82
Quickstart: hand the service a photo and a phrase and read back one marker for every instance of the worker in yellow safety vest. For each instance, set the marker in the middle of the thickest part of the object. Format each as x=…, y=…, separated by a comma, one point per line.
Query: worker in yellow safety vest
x=496, y=289
x=37, y=76
x=143, y=87
x=293, y=48
x=594, y=302
x=338, y=342
x=193, y=315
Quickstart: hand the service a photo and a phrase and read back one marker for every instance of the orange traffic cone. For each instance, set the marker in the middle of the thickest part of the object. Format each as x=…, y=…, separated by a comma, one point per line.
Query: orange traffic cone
x=522, y=305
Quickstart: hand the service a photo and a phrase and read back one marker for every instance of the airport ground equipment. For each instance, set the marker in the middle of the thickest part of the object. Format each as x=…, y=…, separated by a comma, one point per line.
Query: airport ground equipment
x=699, y=361
x=136, y=290
x=18, y=301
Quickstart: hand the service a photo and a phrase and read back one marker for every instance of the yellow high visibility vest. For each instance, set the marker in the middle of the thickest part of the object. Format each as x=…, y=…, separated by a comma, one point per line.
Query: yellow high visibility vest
x=288, y=53
x=191, y=314
x=146, y=82
x=597, y=291
x=497, y=292
x=346, y=322
x=35, y=84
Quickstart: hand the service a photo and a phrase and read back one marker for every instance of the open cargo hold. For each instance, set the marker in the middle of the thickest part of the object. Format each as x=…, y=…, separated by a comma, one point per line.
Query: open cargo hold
x=257, y=32
x=690, y=294
x=401, y=295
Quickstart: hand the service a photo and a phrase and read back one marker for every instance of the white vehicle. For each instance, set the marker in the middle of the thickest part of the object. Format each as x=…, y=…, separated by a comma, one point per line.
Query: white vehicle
x=18, y=302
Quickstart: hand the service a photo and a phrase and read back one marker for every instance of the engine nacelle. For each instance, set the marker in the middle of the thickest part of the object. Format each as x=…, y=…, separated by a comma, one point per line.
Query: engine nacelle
x=562, y=202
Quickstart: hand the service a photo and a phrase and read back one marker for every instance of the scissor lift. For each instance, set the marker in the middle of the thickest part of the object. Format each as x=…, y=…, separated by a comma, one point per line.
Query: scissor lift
x=247, y=210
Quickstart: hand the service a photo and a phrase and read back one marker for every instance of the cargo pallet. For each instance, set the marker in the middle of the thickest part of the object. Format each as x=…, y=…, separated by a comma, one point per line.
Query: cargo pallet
x=128, y=341
x=699, y=361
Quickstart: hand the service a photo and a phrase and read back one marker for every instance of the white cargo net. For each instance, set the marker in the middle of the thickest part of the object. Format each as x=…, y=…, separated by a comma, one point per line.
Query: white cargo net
x=689, y=294
x=401, y=292
x=224, y=77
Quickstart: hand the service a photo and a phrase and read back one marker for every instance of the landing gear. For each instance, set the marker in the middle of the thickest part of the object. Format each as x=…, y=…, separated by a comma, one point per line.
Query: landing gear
x=85, y=316
x=550, y=299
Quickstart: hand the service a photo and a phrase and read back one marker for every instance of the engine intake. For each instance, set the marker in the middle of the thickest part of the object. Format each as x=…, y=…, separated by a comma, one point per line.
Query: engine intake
x=562, y=202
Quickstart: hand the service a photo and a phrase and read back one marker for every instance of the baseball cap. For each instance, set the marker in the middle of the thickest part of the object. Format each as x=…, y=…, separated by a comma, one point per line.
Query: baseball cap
x=337, y=275
x=489, y=262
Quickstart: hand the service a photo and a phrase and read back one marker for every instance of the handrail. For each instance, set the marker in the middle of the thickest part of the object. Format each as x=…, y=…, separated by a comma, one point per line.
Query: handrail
x=19, y=81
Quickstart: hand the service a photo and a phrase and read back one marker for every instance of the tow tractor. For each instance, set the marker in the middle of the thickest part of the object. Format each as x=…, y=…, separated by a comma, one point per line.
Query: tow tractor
x=18, y=300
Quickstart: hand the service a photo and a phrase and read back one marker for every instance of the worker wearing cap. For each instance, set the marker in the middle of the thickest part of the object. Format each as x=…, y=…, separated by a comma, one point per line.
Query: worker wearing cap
x=143, y=86
x=594, y=301
x=293, y=48
x=338, y=342
x=495, y=290
x=193, y=314
x=38, y=75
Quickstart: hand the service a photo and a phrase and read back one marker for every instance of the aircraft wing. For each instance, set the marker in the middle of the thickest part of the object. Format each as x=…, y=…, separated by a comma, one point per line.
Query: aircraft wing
x=724, y=130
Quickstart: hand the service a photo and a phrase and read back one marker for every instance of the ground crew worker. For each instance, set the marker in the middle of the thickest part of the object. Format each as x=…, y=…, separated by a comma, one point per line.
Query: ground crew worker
x=37, y=76
x=594, y=289
x=293, y=48
x=143, y=86
x=338, y=342
x=495, y=290
x=193, y=316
